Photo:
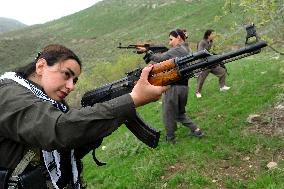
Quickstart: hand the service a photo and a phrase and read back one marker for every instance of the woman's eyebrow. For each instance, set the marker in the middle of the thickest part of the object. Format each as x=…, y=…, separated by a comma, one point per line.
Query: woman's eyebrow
x=72, y=73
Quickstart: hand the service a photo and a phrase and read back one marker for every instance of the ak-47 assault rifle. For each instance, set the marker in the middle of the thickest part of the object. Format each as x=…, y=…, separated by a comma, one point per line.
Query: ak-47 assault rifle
x=166, y=73
x=153, y=48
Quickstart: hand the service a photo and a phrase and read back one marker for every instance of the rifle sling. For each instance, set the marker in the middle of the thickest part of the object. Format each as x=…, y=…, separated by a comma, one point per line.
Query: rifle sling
x=23, y=163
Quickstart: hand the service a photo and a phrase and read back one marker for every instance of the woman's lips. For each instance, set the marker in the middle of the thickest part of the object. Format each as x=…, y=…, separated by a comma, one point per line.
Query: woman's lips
x=62, y=94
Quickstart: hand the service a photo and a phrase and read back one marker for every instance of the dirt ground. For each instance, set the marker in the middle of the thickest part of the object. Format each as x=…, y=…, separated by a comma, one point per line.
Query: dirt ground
x=270, y=124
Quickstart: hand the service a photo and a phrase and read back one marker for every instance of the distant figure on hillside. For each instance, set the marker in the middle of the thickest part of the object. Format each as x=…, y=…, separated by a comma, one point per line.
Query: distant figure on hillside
x=41, y=139
x=175, y=99
x=218, y=70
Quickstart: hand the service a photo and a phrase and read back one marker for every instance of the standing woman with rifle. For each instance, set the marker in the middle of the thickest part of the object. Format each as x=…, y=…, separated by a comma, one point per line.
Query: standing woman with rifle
x=175, y=99
x=41, y=140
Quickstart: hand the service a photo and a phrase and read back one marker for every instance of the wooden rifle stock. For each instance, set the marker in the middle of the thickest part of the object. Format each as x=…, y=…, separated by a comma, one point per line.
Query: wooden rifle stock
x=164, y=73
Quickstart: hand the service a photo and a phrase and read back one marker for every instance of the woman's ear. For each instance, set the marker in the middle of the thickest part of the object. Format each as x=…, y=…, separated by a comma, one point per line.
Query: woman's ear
x=40, y=65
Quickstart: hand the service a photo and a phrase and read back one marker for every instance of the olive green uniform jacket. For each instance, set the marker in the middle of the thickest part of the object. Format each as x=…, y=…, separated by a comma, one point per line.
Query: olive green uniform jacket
x=27, y=121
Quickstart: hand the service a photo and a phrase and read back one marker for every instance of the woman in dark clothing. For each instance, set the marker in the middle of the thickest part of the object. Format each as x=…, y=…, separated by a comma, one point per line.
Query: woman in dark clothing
x=218, y=70
x=36, y=123
x=175, y=99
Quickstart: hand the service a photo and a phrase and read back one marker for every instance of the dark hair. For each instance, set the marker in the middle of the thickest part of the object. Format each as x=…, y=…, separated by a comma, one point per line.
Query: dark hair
x=53, y=54
x=207, y=33
x=179, y=32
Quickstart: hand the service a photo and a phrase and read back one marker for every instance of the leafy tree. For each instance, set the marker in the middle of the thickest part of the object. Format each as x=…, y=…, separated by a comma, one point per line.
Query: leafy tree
x=267, y=15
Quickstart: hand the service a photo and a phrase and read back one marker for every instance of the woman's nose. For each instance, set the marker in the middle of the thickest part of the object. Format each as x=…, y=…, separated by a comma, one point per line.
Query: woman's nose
x=70, y=85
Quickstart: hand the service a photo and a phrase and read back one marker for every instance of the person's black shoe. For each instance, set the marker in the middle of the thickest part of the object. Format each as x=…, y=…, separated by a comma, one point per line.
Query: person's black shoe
x=171, y=140
x=197, y=133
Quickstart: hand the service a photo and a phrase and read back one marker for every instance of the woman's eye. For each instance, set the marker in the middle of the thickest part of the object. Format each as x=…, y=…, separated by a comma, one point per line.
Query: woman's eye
x=67, y=75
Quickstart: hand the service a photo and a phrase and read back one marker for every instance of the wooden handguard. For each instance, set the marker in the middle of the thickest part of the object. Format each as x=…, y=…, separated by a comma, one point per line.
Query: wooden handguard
x=164, y=73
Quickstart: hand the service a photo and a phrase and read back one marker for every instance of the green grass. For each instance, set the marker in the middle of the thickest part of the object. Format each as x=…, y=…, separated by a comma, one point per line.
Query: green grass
x=199, y=163
x=95, y=32
x=217, y=160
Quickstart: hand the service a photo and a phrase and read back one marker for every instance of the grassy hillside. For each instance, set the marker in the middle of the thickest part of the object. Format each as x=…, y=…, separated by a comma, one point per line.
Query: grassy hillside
x=95, y=32
x=234, y=154
x=7, y=24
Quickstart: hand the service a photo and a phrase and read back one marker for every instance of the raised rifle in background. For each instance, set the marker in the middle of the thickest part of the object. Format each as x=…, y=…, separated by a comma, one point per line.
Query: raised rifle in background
x=148, y=47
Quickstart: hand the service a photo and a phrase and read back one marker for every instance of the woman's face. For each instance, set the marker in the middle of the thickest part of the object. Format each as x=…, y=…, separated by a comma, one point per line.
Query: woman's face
x=60, y=79
x=211, y=36
x=174, y=41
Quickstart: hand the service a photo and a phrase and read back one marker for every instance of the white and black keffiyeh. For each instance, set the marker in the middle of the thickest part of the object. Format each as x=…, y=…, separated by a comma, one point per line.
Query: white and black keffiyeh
x=50, y=158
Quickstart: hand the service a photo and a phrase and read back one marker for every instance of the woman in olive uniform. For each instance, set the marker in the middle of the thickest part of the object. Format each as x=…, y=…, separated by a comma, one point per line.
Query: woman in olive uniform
x=175, y=99
x=33, y=115
x=218, y=70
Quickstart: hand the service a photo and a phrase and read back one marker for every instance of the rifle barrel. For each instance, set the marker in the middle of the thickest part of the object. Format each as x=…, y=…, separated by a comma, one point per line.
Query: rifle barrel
x=215, y=59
